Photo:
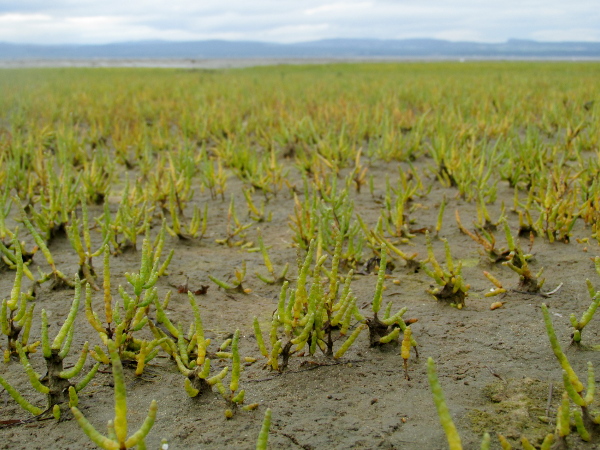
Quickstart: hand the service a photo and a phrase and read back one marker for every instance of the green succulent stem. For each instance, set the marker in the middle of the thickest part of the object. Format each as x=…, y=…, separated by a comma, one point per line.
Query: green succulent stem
x=263, y=436
x=439, y=399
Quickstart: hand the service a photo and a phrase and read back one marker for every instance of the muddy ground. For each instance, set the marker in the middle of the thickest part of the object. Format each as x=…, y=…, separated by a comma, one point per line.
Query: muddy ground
x=496, y=366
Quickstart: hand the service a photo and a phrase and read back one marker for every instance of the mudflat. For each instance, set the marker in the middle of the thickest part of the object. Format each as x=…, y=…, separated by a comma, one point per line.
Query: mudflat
x=496, y=366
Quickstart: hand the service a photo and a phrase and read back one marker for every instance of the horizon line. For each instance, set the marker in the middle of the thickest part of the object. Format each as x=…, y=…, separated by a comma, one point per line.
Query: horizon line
x=423, y=38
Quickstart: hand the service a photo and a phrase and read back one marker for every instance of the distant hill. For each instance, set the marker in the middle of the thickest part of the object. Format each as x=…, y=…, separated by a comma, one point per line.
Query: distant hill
x=328, y=48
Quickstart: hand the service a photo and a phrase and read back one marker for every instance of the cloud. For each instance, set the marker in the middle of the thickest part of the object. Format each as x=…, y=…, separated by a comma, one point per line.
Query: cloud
x=338, y=8
x=23, y=18
x=288, y=32
x=86, y=21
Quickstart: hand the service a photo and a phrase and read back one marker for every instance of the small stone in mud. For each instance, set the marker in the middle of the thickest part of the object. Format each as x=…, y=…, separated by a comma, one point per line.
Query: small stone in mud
x=373, y=401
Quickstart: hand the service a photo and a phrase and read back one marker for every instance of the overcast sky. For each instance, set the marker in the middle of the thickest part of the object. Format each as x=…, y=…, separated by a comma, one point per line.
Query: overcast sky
x=95, y=22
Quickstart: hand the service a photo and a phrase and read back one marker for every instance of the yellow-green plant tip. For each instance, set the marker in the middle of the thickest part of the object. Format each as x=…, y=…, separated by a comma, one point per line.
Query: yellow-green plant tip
x=380, y=279
x=56, y=412
x=226, y=343
x=346, y=345
x=274, y=357
x=239, y=398
x=526, y=444
x=440, y=217
x=251, y=407
x=562, y=359
x=46, y=350
x=181, y=345
x=235, y=364
x=162, y=317
x=163, y=268
x=205, y=369
x=120, y=422
x=263, y=436
x=573, y=395
x=220, y=283
x=352, y=311
x=563, y=426
x=4, y=323
x=15, y=292
x=74, y=371
x=591, y=385
x=392, y=336
x=73, y=397
x=509, y=238
x=388, y=311
x=143, y=431
x=449, y=261
x=66, y=345
x=282, y=298
x=99, y=355
x=583, y=433
x=486, y=441
x=454, y=441
x=218, y=377
x=504, y=443
x=547, y=442
x=493, y=279
x=396, y=318
x=222, y=390
x=343, y=308
x=97, y=438
x=263, y=250
x=182, y=367
x=189, y=389
x=303, y=336
x=89, y=312
x=259, y=338
x=587, y=316
x=34, y=378
x=68, y=324
x=19, y=399
x=406, y=343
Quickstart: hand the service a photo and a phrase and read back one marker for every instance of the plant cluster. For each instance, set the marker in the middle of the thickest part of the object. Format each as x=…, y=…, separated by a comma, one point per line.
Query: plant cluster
x=308, y=316
x=140, y=170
